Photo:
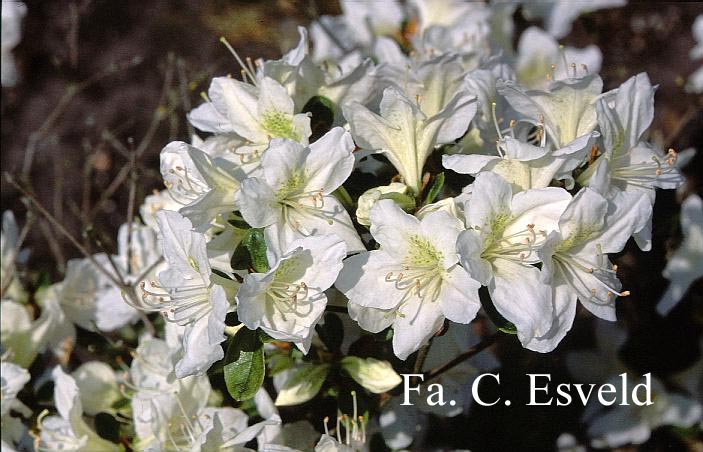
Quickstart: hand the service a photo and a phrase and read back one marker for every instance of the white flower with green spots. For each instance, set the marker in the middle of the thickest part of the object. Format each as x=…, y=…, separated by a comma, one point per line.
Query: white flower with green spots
x=574, y=258
x=628, y=163
x=499, y=247
x=203, y=187
x=565, y=114
x=288, y=301
x=293, y=198
x=413, y=282
x=69, y=431
x=412, y=123
x=187, y=295
x=255, y=113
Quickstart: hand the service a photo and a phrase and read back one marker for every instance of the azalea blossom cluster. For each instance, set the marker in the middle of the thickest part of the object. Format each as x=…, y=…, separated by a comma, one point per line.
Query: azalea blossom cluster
x=268, y=221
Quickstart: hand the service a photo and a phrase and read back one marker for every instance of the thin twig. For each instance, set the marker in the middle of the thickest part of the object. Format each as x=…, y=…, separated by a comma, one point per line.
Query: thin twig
x=420, y=359
x=71, y=91
x=109, y=191
x=475, y=350
x=313, y=15
x=160, y=112
x=60, y=227
x=53, y=246
x=183, y=86
x=130, y=206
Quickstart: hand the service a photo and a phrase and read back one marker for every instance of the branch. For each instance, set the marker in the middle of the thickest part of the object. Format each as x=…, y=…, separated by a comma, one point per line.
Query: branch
x=475, y=350
x=61, y=228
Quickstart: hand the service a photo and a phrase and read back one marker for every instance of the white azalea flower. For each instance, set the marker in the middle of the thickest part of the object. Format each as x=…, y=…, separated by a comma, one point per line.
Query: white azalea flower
x=565, y=113
x=158, y=200
x=99, y=387
x=405, y=134
x=574, y=258
x=558, y=15
x=413, y=281
x=453, y=27
x=540, y=59
x=505, y=231
x=430, y=85
x=91, y=300
x=695, y=80
x=686, y=264
x=293, y=198
x=186, y=294
x=632, y=423
x=351, y=79
x=628, y=163
x=442, y=13
x=256, y=113
x=68, y=431
x=23, y=338
x=288, y=301
x=619, y=425
x=13, y=379
x=522, y=164
x=288, y=437
x=205, y=187
x=173, y=413
x=372, y=18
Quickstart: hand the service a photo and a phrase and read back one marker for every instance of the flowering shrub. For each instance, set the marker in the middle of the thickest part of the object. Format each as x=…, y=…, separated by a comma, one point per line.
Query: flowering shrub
x=399, y=174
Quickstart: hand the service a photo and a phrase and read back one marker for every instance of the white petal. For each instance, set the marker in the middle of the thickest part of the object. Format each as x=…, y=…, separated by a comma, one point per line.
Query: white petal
x=564, y=299
x=418, y=322
x=363, y=281
x=256, y=202
x=491, y=197
x=330, y=161
x=391, y=227
x=198, y=353
x=520, y=297
x=459, y=296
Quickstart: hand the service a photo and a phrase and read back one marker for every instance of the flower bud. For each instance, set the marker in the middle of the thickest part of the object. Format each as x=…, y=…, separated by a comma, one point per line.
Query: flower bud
x=396, y=191
x=374, y=375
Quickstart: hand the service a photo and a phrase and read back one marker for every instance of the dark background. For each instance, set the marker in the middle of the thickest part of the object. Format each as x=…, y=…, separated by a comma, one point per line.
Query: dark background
x=102, y=77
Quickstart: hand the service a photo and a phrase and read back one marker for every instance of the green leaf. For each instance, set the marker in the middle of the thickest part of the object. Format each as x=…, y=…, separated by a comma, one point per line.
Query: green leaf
x=322, y=111
x=435, y=189
x=280, y=362
x=265, y=338
x=256, y=244
x=405, y=202
x=122, y=404
x=508, y=328
x=245, y=365
x=302, y=384
x=251, y=252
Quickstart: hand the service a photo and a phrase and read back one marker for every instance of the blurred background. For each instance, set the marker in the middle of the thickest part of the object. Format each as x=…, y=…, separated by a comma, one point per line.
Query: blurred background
x=100, y=78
